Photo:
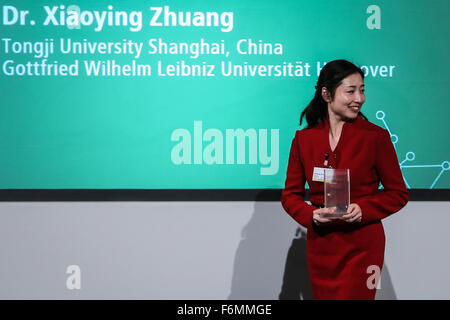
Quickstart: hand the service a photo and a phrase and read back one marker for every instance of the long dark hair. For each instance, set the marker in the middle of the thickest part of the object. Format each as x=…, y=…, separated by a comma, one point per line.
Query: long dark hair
x=330, y=77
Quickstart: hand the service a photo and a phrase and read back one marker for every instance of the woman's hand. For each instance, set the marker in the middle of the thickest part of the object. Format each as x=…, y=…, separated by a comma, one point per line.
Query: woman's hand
x=354, y=214
x=318, y=219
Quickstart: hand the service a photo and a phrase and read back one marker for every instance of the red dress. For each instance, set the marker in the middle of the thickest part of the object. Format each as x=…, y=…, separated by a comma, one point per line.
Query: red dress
x=339, y=255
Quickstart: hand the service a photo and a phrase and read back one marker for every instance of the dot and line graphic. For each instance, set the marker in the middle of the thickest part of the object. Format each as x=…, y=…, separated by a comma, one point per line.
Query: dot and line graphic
x=411, y=156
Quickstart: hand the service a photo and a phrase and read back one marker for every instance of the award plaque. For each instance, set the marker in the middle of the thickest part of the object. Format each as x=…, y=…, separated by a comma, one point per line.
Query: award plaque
x=336, y=191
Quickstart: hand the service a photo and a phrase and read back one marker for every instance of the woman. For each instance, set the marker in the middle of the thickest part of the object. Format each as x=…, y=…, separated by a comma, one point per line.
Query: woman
x=343, y=253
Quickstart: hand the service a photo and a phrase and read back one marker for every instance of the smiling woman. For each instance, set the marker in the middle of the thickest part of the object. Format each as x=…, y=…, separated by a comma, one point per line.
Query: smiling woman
x=341, y=250
x=332, y=76
x=346, y=103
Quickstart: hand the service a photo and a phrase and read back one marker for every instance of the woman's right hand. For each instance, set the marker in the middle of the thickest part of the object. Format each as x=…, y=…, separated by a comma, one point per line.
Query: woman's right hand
x=318, y=218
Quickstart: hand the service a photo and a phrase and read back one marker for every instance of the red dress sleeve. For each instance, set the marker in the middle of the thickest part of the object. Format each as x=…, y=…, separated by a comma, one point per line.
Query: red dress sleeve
x=292, y=196
x=395, y=195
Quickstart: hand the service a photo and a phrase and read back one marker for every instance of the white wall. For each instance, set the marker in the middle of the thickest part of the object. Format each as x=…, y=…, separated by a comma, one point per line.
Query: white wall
x=197, y=250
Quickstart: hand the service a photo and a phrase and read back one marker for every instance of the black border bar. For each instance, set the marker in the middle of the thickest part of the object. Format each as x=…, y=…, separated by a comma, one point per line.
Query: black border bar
x=176, y=195
x=220, y=309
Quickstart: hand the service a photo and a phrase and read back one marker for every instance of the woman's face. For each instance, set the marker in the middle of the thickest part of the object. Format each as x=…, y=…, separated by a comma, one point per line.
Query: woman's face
x=348, y=98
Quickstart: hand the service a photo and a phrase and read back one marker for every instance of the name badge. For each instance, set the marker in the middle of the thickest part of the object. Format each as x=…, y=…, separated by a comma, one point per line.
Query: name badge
x=318, y=174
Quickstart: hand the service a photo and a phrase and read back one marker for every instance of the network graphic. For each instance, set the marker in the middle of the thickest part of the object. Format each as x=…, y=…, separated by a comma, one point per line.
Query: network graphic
x=411, y=156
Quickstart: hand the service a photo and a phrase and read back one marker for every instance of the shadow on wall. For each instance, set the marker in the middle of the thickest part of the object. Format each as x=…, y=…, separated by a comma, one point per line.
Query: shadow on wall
x=296, y=284
x=259, y=261
x=263, y=270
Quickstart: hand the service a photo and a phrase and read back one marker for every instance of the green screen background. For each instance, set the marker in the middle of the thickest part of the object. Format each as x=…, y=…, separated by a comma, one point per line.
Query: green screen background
x=115, y=132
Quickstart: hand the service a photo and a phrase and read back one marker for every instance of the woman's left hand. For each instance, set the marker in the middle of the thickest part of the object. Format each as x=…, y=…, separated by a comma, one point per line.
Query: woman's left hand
x=354, y=214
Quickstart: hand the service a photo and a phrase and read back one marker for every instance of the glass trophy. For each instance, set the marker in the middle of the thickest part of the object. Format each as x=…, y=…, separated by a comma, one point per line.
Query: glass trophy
x=336, y=192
